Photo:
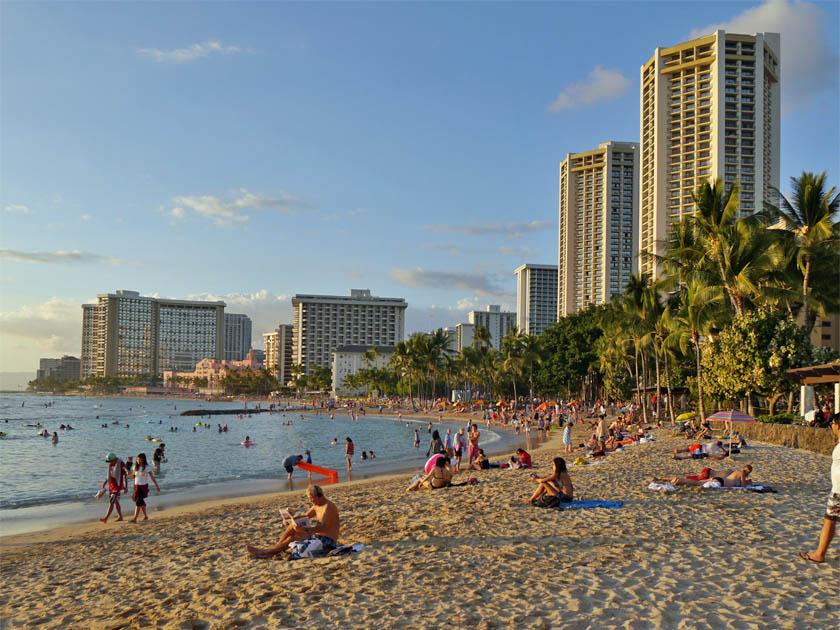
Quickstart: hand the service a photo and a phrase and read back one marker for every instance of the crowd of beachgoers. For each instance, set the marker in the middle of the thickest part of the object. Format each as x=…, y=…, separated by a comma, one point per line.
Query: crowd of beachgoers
x=606, y=513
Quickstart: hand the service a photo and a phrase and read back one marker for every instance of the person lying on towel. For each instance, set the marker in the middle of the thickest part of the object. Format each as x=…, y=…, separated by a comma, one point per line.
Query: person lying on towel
x=726, y=478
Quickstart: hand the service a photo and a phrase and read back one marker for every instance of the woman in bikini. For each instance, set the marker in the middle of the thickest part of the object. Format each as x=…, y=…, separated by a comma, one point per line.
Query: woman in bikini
x=558, y=484
x=439, y=476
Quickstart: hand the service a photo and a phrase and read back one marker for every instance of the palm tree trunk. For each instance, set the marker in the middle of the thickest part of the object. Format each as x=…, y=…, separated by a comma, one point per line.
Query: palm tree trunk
x=658, y=407
x=668, y=386
x=806, y=309
x=644, y=387
x=702, y=406
x=638, y=385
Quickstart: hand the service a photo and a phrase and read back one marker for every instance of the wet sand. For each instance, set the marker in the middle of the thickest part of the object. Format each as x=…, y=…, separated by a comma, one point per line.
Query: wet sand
x=473, y=556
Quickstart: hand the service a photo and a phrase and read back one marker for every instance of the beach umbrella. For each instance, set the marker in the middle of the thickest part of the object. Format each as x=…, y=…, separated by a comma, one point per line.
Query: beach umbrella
x=730, y=417
x=687, y=415
x=542, y=406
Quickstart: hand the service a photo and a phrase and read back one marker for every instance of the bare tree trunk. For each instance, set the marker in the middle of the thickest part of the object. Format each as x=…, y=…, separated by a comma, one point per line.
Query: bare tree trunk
x=668, y=386
x=773, y=400
x=809, y=326
x=658, y=407
x=644, y=388
x=699, y=377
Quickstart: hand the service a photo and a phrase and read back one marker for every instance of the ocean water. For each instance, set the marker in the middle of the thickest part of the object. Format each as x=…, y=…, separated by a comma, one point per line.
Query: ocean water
x=35, y=474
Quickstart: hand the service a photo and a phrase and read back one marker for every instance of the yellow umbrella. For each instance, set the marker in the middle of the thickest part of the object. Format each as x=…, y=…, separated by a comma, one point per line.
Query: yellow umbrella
x=687, y=415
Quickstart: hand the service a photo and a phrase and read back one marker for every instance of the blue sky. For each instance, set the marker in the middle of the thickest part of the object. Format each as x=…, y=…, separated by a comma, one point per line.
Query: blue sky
x=248, y=152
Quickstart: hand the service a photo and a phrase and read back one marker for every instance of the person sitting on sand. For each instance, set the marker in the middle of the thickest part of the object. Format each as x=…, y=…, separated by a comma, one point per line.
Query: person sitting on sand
x=324, y=527
x=439, y=476
x=481, y=462
x=726, y=479
x=557, y=484
x=524, y=459
x=705, y=432
x=701, y=451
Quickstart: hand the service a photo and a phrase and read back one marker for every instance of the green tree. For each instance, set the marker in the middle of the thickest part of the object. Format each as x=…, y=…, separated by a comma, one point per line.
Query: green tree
x=751, y=355
x=809, y=215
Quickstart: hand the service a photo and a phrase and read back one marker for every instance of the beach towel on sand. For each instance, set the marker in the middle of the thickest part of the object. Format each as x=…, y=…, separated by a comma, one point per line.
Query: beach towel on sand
x=582, y=505
x=661, y=486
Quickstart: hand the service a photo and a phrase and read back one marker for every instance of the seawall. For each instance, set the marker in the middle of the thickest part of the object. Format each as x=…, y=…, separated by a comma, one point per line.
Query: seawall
x=808, y=438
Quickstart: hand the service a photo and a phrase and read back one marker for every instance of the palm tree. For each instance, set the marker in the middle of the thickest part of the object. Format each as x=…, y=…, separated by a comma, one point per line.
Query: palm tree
x=699, y=313
x=532, y=352
x=512, y=358
x=809, y=215
x=481, y=336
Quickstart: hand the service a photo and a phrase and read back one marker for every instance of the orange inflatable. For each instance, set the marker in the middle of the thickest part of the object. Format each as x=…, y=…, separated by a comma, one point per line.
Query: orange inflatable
x=332, y=474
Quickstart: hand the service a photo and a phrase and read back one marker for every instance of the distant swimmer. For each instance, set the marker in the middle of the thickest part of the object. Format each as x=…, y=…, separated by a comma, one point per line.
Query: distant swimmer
x=55, y=438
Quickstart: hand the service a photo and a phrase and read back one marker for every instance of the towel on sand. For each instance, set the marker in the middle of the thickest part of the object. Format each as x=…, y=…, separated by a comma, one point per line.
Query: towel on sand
x=661, y=486
x=582, y=505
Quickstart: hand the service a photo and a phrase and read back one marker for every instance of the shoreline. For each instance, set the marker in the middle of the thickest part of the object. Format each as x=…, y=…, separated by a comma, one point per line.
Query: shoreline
x=75, y=514
x=720, y=559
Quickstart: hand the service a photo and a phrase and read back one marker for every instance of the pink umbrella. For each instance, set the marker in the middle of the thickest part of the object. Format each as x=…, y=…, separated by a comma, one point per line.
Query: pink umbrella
x=729, y=417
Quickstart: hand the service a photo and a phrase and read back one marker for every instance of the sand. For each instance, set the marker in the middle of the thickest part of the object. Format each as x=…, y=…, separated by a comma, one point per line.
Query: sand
x=467, y=557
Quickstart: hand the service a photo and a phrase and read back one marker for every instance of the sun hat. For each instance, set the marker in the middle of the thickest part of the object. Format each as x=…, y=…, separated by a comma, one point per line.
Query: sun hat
x=110, y=457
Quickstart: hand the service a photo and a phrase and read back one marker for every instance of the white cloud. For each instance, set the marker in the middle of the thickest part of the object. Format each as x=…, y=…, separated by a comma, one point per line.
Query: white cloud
x=86, y=217
x=265, y=309
x=510, y=230
x=74, y=256
x=809, y=65
x=16, y=207
x=51, y=328
x=454, y=250
x=357, y=211
x=602, y=84
x=191, y=53
x=480, y=283
x=226, y=213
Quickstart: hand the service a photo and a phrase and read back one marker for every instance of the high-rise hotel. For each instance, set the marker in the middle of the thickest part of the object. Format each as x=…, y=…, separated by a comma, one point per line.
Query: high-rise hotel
x=709, y=109
x=126, y=334
x=322, y=323
x=597, y=226
x=278, y=352
x=536, y=298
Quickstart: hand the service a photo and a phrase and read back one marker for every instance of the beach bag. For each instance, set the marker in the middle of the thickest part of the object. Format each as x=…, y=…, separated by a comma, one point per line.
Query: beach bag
x=308, y=548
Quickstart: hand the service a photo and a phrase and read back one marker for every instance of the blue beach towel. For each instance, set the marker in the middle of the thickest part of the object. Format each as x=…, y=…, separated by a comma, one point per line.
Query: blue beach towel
x=590, y=504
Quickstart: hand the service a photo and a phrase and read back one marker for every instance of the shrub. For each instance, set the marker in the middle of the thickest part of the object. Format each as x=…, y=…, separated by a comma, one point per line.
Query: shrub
x=780, y=418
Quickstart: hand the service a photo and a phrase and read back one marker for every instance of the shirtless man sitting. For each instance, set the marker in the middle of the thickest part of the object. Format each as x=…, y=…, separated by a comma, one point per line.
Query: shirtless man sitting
x=324, y=526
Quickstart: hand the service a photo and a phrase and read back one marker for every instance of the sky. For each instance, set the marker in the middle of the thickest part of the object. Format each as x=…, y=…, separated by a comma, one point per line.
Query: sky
x=248, y=152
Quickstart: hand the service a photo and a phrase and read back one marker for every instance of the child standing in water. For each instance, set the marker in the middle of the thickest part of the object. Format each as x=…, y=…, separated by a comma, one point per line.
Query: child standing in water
x=142, y=474
x=416, y=439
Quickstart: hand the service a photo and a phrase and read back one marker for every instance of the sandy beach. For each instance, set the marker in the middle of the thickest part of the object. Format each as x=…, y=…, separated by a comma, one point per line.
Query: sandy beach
x=471, y=557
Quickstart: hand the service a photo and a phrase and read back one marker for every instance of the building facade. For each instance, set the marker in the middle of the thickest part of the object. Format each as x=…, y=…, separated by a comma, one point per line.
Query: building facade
x=348, y=360
x=597, y=225
x=498, y=323
x=464, y=334
x=125, y=334
x=278, y=352
x=322, y=323
x=237, y=336
x=66, y=368
x=536, y=298
x=213, y=370
x=709, y=109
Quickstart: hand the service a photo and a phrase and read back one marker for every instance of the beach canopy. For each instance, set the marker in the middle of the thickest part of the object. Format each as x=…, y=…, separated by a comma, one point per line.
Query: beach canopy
x=542, y=406
x=687, y=415
x=731, y=416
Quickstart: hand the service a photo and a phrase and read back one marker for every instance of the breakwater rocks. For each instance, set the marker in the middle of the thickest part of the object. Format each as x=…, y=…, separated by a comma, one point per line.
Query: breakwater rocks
x=222, y=412
x=237, y=412
x=808, y=438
